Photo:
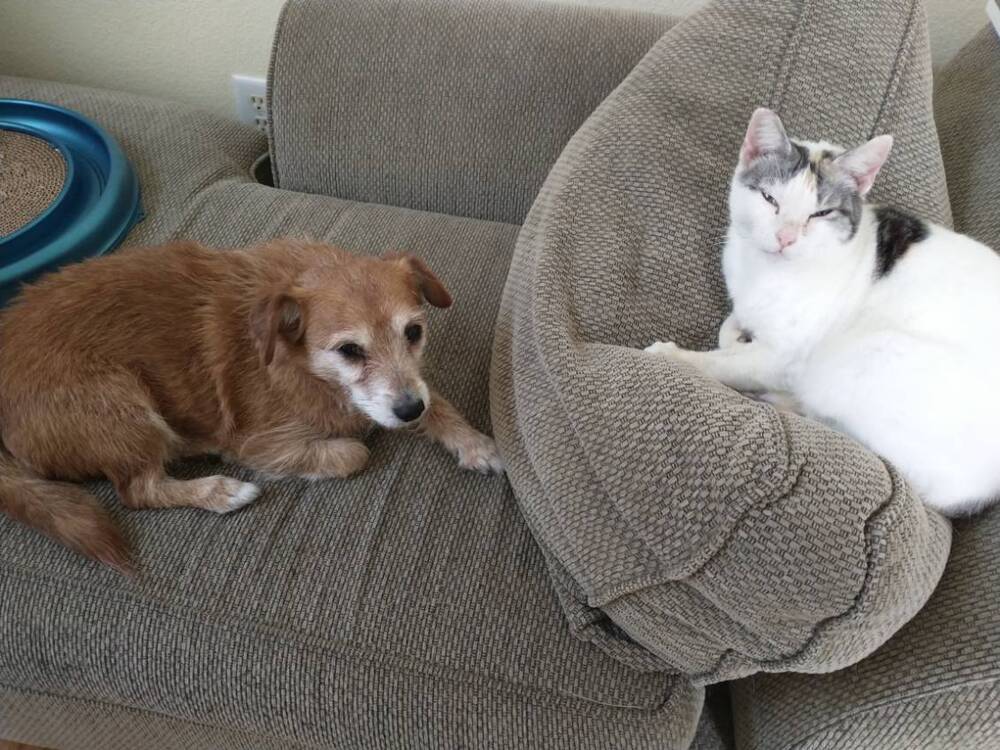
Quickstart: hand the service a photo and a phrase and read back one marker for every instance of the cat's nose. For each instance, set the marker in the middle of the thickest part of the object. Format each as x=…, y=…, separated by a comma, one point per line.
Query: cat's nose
x=787, y=236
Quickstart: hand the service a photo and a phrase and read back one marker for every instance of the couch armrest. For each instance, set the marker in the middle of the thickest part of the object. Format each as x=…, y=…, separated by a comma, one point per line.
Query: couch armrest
x=453, y=106
x=718, y=535
x=179, y=153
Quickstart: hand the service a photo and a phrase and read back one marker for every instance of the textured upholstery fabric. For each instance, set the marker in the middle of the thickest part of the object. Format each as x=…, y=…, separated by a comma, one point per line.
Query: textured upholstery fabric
x=408, y=607
x=715, y=728
x=87, y=725
x=455, y=106
x=936, y=684
x=723, y=537
x=75, y=724
x=176, y=151
x=967, y=105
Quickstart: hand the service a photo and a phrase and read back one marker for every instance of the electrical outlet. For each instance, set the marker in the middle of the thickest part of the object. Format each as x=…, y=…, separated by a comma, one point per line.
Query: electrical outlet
x=249, y=94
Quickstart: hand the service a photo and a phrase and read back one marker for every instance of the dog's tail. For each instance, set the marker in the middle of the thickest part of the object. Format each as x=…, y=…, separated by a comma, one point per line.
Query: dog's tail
x=65, y=512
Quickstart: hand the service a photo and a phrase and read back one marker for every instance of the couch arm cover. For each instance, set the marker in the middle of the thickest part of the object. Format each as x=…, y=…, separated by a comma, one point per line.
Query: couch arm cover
x=453, y=106
x=687, y=527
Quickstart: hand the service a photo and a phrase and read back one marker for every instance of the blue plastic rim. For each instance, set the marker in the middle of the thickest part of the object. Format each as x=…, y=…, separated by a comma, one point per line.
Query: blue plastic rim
x=96, y=208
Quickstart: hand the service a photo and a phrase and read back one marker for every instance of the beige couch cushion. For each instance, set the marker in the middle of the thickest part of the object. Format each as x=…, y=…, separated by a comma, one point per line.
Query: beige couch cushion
x=409, y=604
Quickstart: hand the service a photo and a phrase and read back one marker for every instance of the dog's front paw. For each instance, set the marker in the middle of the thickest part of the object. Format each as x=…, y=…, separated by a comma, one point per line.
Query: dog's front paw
x=479, y=453
x=348, y=457
x=234, y=494
x=664, y=349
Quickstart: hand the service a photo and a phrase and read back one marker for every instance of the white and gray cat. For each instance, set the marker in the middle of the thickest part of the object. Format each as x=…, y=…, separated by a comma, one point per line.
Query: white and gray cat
x=879, y=324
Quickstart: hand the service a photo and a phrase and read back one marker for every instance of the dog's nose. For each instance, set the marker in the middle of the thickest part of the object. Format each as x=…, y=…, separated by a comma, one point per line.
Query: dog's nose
x=408, y=408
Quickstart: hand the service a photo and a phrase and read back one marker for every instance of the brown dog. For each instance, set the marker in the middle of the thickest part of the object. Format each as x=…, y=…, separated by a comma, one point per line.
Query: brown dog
x=277, y=356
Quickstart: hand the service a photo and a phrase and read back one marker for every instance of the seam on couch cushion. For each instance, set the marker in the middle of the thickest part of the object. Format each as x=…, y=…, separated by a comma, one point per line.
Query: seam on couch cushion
x=205, y=199
x=817, y=630
x=272, y=62
x=353, y=652
x=150, y=712
x=789, y=480
x=789, y=61
x=898, y=68
x=142, y=711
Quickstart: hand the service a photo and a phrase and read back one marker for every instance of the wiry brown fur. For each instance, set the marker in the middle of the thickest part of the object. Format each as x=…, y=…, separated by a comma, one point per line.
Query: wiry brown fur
x=115, y=366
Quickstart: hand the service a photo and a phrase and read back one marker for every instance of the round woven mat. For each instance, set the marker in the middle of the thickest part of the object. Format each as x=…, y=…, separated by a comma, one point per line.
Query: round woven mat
x=31, y=175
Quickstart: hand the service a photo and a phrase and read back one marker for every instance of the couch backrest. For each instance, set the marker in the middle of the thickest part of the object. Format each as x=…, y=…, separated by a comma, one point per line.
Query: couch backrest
x=453, y=106
x=967, y=109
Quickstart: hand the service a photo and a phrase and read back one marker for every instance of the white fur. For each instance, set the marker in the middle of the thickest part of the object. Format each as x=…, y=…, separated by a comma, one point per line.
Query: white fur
x=375, y=399
x=907, y=363
x=481, y=454
x=372, y=395
x=238, y=495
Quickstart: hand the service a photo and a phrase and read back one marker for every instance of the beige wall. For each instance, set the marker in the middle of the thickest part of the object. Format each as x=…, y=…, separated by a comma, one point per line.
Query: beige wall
x=187, y=49
x=178, y=49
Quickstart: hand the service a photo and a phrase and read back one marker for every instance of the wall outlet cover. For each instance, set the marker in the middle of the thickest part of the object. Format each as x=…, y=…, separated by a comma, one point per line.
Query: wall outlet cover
x=249, y=96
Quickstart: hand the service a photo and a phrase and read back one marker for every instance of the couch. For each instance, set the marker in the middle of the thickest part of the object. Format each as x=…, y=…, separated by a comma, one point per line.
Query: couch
x=421, y=606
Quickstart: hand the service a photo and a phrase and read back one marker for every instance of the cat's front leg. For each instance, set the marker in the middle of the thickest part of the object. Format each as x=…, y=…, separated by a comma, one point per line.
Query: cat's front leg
x=749, y=367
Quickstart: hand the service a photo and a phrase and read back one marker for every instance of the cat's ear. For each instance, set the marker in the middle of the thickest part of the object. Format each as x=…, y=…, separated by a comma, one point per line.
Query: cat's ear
x=862, y=164
x=765, y=135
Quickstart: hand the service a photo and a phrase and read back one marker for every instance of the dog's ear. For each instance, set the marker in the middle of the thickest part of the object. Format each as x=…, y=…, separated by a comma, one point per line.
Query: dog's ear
x=279, y=314
x=430, y=285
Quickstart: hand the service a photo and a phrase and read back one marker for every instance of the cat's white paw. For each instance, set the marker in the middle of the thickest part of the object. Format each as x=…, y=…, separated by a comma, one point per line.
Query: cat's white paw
x=664, y=349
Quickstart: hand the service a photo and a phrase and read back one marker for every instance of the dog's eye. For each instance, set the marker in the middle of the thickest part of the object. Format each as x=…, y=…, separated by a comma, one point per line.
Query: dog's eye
x=821, y=214
x=413, y=332
x=351, y=351
x=769, y=198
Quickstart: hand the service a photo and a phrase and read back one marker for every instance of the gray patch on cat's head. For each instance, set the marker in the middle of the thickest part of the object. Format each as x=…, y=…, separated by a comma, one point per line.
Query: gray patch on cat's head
x=776, y=166
x=837, y=191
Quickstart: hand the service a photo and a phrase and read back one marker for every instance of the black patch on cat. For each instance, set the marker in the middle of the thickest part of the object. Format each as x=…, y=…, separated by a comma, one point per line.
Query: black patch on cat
x=896, y=232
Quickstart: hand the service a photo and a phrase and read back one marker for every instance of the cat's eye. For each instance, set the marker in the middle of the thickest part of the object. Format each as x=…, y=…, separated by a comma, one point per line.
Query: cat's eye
x=351, y=351
x=821, y=214
x=769, y=198
x=413, y=332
